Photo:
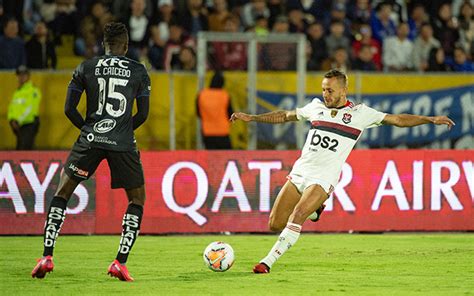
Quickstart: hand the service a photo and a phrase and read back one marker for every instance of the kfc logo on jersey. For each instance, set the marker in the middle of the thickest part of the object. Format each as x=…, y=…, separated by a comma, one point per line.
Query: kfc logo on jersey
x=346, y=118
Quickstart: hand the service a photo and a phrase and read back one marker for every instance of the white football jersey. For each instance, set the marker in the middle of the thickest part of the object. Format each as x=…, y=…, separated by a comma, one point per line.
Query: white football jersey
x=333, y=134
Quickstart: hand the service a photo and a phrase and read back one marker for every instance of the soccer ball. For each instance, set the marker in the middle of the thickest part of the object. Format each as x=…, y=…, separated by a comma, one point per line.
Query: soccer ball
x=218, y=256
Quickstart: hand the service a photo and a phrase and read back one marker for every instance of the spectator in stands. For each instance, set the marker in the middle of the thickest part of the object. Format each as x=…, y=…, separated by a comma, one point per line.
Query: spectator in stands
x=399, y=9
x=445, y=29
x=417, y=18
x=31, y=15
x=460, y=62
x=23, y=111
x=436, y=61
x=311, y=8
x=138, y=27
x=336, y=37
x=40, y=50
x=261, y=26
x=339, y=59
x=279, y=56
x=466, y=28
x=422, y=47
x=296, y=21
x=121, y=9
x=12, y=47
x=166, y=14
x=66, y=19
x=252, y=10
x=230, y=55
x=359, y=13
x=338, y=14
x=156, y=53
x=178, y=38
x=382, y=25
x=315, y=35
x=311, y=64
x=276, y=8
x=195, y=17
x=218, y=15
x=214, y=108
x=88, y=43
x=398, y=50
x=364, y=60
x=364, y=37
x=187, y=59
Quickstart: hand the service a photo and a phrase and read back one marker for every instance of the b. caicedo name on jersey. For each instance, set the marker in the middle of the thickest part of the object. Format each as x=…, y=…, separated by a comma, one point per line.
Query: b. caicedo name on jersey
x=112, y=66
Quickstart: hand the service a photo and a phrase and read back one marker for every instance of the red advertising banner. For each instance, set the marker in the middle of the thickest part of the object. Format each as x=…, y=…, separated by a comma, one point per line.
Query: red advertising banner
x=233, y=191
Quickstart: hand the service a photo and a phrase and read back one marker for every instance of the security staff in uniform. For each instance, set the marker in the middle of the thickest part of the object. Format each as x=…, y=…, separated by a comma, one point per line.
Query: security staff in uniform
x=214, y=109
x=23, y=110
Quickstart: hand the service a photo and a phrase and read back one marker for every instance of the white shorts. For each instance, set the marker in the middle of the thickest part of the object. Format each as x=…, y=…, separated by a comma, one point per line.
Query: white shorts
x=302, y=183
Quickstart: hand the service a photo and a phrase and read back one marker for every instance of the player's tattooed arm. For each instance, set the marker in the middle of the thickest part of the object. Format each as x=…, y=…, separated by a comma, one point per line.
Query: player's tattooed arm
x=409, y=120
x=279, y=116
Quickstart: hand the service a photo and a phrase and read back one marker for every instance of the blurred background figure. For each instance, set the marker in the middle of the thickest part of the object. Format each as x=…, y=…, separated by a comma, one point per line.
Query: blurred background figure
x=138, y=25
x=214, y=108
x=398, y=51
x=364, y=60
x=40, y=49
x=436, y=61
x=156, y=51
x=445, y=28
x=315, y=35
x=460, y=62
x=23, y=111
x=339, y=59
x=88, y=43
x=12, y=47
x=218, y=15
x=230, y=55
x=422, y=47
x=364, y=37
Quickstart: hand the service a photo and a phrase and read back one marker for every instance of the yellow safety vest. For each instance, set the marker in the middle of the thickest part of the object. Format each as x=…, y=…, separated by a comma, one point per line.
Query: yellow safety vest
x=24, y=106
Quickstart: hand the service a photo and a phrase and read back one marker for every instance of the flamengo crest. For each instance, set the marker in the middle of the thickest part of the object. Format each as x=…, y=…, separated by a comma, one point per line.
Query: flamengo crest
x=346, y=118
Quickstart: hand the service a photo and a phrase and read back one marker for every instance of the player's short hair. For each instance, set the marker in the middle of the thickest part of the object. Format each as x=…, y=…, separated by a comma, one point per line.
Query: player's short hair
x=115, y=33
x=339, y=75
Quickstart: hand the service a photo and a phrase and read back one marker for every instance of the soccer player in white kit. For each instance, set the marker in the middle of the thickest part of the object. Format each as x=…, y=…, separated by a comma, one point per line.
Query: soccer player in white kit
x=336, y=125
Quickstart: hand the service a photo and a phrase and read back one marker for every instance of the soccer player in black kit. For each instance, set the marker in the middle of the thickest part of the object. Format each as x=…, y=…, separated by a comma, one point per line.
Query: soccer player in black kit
x=112, y=83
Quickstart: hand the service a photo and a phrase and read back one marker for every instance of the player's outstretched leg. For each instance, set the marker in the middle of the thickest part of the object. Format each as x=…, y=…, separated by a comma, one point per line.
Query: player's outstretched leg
x=54, y=221
x=316, y=215
x=312, y=198
x=288, y=237
x=130, y=229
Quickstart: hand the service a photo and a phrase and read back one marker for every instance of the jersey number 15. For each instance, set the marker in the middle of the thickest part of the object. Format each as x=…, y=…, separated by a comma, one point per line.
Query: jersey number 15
x=112, y=94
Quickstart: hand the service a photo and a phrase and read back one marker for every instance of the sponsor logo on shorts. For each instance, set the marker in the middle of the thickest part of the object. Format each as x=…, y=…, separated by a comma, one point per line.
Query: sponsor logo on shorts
x=105, y=125
x=78, y=172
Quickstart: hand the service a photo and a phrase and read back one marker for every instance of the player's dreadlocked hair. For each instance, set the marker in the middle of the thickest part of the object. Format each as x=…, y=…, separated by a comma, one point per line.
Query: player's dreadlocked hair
x=115, y=33
x=341, y=76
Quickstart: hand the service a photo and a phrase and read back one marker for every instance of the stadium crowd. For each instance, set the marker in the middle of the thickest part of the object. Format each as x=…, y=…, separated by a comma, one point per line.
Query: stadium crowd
x=395, y=35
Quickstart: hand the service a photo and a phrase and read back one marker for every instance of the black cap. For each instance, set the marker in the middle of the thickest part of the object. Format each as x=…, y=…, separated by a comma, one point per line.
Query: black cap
x=22, y=70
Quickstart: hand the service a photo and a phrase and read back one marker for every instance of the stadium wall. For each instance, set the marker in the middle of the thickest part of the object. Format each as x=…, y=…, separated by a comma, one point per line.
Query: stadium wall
x=451, y=95
x=215, y=192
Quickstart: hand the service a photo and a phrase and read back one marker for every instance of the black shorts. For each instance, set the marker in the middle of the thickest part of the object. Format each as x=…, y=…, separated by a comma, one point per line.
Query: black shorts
x=125, y=167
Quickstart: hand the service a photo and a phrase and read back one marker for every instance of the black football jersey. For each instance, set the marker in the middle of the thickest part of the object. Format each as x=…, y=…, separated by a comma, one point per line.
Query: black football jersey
x=111, y=83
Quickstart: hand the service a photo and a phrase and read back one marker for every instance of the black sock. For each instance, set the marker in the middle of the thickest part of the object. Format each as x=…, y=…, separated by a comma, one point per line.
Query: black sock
x=131, y=226
x=54, y=221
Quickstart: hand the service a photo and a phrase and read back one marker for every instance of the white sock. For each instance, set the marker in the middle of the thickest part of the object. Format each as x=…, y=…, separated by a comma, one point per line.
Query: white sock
x=288, y=238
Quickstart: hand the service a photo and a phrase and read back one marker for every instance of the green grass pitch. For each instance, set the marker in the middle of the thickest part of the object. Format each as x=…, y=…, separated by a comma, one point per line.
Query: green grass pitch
x=319, y=264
